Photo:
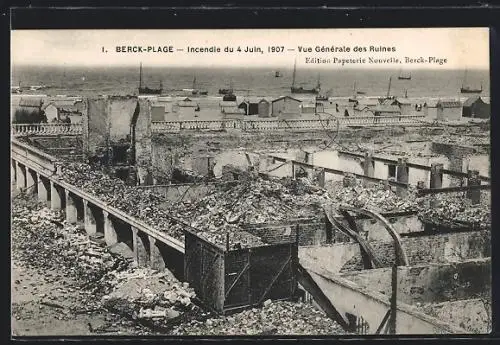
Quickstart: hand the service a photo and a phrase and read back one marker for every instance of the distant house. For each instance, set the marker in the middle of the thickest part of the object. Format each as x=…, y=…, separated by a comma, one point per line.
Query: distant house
x=230, y=107
x=264, y=108
x=404, y=105
x=312, y=108
x=448, y=110
x=285, y=107
x=57, y=113
x=250, y=106
x=475, y=107
x=430, y=108
x=29, y=110
x=386, y=110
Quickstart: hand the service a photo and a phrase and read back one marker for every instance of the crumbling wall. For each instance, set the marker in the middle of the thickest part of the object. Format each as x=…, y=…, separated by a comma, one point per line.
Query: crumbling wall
x=95, y=126
x=143, y=143
x=119, y=116
x=456, y=154
x=433, y=283
x=439, y=248
x=311, y=231
x=473, y=315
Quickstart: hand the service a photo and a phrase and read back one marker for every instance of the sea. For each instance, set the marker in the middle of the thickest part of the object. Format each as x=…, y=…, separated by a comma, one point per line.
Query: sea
x=249, y=82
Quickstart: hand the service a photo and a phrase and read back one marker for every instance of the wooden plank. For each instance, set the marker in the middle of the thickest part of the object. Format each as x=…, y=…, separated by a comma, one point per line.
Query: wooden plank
x=245, y=268
x=308, y=283
x=275, y=277
x=452, y=189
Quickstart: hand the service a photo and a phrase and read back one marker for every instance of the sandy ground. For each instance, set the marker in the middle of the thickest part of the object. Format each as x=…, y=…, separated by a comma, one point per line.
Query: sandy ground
x=46, y=304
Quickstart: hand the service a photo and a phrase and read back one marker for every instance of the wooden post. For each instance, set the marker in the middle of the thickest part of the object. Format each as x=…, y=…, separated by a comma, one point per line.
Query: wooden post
x=436, y=175
x=297, y=234
x=473, y=180
x=401, y=176
x=394, y=297
x=227, y=241
x=368, y=166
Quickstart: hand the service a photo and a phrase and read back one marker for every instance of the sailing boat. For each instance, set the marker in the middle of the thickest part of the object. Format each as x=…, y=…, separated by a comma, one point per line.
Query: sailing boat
x=146, y=90
x=467, y=89
x=195, y=91
x=404, y=76
x=227, y=91
x=277, y=74
x=353, y=99
x=300, y=89
x=388, y=95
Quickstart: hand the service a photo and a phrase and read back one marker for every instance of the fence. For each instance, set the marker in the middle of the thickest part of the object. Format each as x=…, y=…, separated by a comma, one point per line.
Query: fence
x=47, y=128
x=224, y=125
x=283, y=125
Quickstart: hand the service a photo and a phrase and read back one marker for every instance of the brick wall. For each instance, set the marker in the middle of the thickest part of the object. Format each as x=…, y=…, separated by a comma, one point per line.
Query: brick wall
x=95, y=130
x=439, y=248
x=431, y=283
x=456, y=155
x=311, y=231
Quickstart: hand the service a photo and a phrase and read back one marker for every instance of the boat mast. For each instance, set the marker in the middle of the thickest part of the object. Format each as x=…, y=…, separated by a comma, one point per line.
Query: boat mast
x=194, y=82
x=464, y=82
x=319, y=83
x=294, y=70
x=140, y=76
x=389, y=88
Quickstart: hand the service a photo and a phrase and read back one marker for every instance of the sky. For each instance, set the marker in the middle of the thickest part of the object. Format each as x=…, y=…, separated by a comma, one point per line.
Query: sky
x=461, y=47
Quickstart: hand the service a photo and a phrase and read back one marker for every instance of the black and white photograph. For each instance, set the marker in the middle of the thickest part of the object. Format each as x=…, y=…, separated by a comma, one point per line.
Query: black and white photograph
x=250, y=182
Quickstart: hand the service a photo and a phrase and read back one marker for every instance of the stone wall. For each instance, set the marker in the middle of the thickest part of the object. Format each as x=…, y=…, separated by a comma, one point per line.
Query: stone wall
x=432, y=283
x=474, y=315
x=143, y=143
x=439, y=248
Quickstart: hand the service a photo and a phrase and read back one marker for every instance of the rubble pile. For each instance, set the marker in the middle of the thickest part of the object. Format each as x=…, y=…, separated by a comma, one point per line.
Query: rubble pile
x=144, y=294
x=454, y=210
x=250, y=202
x=44, y=241
x=274, y=318
x=143, y=204
x=375, y=196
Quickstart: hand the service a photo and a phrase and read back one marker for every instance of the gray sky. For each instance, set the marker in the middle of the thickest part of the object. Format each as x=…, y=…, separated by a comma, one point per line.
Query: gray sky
x=462, y=47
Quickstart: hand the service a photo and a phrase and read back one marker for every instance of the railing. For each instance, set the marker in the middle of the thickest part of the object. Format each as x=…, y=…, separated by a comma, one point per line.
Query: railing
x=45, y=164
x=283, y=125
x=220, y=125
x=47, y=128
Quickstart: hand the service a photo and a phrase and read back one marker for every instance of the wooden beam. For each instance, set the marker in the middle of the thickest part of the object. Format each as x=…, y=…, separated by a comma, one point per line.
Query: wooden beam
x=452, y=189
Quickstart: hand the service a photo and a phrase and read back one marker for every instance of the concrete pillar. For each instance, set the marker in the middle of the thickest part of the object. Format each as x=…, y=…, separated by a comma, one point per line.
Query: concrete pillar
x=368, y=165
x=321, y=178
x=30, y=181
x=401, y=176
x=12, y=170
x=473, y=180
x=71, y=211
x=436, y=175
x=55, y=197
x=110, y=235
x=140, y=252
x=42, y=190
x=155, y=259
x=89, y=219
x=20, y=176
